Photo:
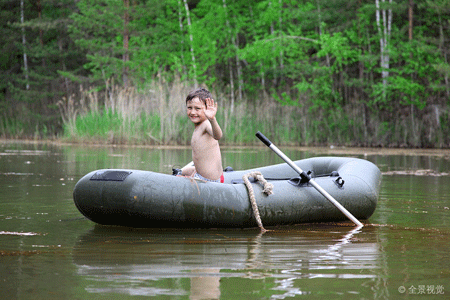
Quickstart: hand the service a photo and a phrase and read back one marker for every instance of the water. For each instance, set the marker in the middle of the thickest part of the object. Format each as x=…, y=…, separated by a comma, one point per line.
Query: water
x=48, y=250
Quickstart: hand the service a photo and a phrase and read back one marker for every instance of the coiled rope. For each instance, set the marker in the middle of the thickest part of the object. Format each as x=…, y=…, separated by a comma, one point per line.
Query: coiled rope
x=267, y=189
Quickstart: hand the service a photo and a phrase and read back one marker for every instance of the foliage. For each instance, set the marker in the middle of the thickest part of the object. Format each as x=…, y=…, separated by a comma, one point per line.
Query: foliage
x=322, y=61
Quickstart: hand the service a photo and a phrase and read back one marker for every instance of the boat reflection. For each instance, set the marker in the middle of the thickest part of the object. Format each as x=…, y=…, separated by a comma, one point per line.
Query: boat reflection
x=201, y=263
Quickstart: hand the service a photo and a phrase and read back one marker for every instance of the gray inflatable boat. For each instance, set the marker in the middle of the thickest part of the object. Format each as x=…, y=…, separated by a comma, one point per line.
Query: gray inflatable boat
x=137, y=198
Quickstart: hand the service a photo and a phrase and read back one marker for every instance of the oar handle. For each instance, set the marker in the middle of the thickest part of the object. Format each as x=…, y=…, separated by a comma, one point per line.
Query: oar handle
x=269, y=144
x=263, y=139
x=305, y=176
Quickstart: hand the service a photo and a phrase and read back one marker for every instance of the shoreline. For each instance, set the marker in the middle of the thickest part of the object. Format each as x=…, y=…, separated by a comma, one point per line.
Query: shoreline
x=317, y=149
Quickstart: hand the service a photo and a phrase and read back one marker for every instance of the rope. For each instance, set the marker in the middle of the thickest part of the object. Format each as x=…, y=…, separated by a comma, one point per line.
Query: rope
x=267, y=189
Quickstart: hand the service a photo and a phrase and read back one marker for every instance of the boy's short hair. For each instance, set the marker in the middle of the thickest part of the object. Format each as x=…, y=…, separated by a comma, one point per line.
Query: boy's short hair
x=201, y=93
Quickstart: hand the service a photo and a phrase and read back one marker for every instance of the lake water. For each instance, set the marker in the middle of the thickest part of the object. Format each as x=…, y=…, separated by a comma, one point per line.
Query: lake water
x=48, y=250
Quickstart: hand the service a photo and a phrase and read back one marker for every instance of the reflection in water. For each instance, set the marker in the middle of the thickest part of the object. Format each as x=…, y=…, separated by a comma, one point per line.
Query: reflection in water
x=198, y=263
x=206, y=285
x=48, y=250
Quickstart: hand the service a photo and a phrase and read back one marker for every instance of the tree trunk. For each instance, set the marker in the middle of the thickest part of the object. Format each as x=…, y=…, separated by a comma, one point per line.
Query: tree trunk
x=410, y=17
x=239, y=69
x=384, y=33
x=444, y=51
x=180, y=21
x=280, y=20
x=63, y=64
x=410, y=36
x=360, y=90
x=24, y=44
x=274, y=62
x=126, y=38
x=191, y=39
x=41, y=32
x=320, y=31
x=230, y=67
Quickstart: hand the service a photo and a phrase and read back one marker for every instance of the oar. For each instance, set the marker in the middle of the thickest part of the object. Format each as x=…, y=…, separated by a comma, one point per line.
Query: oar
x=307, y=178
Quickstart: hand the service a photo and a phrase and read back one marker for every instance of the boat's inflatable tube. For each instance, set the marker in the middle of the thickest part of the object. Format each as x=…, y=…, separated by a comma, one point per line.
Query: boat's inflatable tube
x=147, y=199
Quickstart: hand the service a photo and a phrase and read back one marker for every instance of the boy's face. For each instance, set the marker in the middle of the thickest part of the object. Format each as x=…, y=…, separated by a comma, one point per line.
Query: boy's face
x=196, y=110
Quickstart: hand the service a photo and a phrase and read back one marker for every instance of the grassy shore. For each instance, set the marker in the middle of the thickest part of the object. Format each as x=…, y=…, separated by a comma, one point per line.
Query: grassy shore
x=155, y=115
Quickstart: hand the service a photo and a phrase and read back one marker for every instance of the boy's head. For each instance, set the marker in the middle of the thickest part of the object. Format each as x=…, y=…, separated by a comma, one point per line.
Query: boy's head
x=201, y=93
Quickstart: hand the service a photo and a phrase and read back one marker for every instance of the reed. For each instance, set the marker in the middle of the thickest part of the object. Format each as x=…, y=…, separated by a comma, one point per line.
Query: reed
x=155, y=115
x=11, y=127
x=150, y=115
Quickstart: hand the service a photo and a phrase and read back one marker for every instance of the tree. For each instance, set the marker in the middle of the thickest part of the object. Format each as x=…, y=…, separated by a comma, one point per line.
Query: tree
x=24, y=44
x=98, y=28
x=34, y=46
x=191, y=39
x=384, y=32
x=442, y=65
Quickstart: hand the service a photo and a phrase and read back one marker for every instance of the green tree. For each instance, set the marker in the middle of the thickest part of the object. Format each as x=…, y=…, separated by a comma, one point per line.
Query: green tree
x=35, y=47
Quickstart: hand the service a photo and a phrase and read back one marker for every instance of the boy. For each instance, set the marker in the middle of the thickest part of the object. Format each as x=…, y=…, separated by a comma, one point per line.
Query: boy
x=201, y=110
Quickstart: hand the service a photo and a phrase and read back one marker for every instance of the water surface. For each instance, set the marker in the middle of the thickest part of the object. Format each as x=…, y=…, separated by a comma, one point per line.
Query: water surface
x=48, y=250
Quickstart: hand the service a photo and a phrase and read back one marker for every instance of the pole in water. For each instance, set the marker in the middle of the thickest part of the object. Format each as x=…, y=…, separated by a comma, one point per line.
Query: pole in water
x=305, y=176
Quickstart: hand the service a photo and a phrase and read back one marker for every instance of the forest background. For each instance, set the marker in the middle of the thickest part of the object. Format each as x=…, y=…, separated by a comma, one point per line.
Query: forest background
x=340, y=72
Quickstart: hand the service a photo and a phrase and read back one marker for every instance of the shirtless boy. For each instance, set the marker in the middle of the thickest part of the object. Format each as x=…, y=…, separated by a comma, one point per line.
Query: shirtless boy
x=201, y=110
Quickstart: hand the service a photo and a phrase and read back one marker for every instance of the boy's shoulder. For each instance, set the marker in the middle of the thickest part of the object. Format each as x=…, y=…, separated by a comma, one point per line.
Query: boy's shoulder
x=203, y=125
x=203, y=128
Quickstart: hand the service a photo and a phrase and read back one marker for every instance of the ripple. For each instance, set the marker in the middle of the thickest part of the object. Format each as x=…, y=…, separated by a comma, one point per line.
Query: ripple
x=18, y=233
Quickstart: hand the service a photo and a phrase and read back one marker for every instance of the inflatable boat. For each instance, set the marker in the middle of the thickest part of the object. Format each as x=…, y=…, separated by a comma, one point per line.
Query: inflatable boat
x=146, y=199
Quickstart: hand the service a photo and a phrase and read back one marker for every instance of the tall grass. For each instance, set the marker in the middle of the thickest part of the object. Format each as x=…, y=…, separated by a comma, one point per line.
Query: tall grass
x=153, y=115
x=11, y=127
x=156, y=115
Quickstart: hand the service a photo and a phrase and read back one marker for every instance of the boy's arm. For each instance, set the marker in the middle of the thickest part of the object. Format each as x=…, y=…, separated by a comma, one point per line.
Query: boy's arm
x=216, y=130
x=210, y=112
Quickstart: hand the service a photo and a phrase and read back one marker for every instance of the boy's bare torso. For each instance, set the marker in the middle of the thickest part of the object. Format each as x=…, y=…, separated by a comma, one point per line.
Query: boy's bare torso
x=206, y=151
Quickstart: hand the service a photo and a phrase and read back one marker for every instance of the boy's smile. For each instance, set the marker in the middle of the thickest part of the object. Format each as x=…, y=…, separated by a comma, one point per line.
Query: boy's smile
x=196, y=110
